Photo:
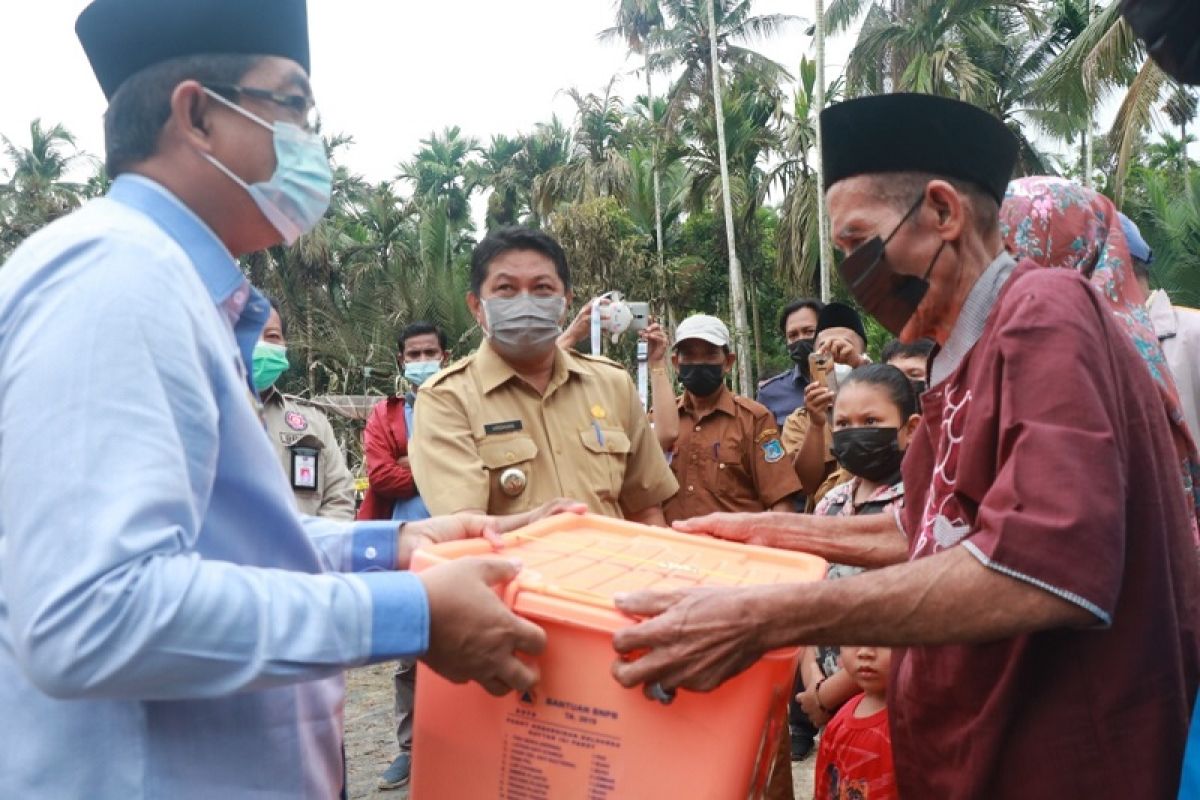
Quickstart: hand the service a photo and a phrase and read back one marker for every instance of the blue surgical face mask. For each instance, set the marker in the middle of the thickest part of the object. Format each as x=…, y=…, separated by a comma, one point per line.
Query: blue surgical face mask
x=417, y=372
x=298, y=194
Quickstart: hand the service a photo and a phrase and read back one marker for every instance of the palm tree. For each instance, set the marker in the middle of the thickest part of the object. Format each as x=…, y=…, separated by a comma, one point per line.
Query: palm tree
x=704, y=35
x=597, y=165
x=637, y=20
x=923, y=45
x=438, y=174
x=1107, y=55
x=497, y=169
x=36, y=192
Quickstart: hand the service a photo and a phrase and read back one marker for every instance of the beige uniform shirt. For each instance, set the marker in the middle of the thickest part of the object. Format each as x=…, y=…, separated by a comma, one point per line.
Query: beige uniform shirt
x=297, y=431
x=485, y=439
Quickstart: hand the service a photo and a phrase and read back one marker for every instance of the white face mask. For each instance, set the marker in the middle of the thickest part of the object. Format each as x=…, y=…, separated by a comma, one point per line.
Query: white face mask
x=297, y=196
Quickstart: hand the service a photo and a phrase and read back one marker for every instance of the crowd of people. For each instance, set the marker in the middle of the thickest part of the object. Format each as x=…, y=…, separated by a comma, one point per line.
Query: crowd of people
x=1006, y=496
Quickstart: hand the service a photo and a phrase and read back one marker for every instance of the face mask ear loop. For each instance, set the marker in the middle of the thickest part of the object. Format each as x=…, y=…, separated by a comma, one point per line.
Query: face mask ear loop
x=912, y=210
x=250, y=115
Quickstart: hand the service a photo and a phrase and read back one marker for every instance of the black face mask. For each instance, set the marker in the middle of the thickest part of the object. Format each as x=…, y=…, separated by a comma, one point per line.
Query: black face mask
x=800, y=350
x=702, y=379
x=889, y=296
x=870, y=453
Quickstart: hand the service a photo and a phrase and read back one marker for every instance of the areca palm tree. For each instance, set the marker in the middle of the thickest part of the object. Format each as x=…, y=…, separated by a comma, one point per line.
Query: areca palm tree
x=598, y=165
x=637, y=21
x=704, y=35
x=438, y=174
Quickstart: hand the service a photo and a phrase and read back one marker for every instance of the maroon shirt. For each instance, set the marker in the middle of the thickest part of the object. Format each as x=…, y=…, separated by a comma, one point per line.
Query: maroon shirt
x=1052, y=462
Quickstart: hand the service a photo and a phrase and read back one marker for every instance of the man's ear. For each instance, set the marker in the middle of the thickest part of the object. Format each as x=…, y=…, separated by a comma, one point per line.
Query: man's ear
x=730, y=359
x=949, y=207
x=191, y=112
x=476, y=307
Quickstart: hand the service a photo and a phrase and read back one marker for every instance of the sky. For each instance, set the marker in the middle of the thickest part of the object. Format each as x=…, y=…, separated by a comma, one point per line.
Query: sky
x=387, y=72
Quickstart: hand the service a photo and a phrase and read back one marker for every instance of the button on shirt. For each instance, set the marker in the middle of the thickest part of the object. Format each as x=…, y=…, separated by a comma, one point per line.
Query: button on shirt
x=728, y=459
x=586, y=437
x=169, y=625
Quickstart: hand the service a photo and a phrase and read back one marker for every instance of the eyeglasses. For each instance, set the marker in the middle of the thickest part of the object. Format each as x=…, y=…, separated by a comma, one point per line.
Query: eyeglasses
x=300, y=106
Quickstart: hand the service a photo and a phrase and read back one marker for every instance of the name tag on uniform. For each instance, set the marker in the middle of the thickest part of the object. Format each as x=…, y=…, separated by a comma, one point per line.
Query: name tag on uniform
x=512, y=426
x=304, y=468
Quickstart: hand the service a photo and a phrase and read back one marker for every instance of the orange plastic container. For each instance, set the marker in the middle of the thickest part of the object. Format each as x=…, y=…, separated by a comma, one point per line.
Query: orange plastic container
x=578, y=735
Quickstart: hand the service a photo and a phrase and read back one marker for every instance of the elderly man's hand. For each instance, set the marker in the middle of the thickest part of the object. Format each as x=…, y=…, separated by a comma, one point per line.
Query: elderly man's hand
x=657, y=343
x=472, y=634
x=844, y=351
x=697, y=638
x=741, y=527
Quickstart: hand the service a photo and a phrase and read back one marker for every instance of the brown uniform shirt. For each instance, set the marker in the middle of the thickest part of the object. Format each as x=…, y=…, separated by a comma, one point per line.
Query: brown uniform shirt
x=297, y=430
x=729, y=459
x=586, y=438
x=795, y=428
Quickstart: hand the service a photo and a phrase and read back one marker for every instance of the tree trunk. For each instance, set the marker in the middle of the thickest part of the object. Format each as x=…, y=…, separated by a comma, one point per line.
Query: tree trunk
x=736, y=291
x=658, y=226
x=824, y=255
x=1087, y=133
x=756, y=323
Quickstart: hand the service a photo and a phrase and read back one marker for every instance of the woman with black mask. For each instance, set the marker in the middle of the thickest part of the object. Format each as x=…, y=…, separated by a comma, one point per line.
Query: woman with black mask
x=874, y=417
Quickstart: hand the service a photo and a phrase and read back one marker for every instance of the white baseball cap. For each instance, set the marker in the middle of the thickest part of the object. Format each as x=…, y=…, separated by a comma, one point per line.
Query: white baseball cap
x=703, y=327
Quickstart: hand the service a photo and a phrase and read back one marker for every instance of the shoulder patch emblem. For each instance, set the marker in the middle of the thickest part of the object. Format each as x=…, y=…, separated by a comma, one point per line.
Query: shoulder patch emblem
x=296, y=421
x=767, y=434
x=772, y=451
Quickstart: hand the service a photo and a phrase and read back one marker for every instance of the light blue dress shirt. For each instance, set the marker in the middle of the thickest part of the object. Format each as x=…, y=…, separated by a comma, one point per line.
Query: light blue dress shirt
x=170, y=626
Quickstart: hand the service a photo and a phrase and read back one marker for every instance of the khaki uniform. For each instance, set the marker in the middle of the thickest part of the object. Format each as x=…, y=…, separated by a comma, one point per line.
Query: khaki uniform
x=729, y=459
x=795, y=428
x=485, y=439
x=299, y=432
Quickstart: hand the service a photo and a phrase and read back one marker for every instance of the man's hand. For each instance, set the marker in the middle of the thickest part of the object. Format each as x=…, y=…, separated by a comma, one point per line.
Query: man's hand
x=468, y=525
x=697, y=639
x=560, y=505
x=843, y=351
x=472, y=634
x=656, y=341
x=818, y=399
x=739, y=527
x=435, y=530
x=580, y=327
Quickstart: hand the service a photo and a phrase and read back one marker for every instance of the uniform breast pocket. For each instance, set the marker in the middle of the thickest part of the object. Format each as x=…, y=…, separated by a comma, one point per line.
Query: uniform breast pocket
x=734, y=481
x=607, y=452
x=509, y=462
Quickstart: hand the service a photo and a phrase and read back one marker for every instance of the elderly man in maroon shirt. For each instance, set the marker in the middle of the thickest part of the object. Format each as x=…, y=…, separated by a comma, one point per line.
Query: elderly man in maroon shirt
x=1041, y=579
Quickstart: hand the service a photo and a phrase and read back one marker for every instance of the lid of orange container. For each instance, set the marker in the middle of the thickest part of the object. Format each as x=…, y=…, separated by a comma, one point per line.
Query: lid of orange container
x=573, y=565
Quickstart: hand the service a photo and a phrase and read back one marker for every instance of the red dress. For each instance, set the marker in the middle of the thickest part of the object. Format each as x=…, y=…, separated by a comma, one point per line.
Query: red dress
x=1047, y=453
x=855, y=759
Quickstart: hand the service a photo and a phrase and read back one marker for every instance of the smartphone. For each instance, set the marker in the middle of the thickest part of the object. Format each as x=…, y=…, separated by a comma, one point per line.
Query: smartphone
x=641, y=316
x=820, y=368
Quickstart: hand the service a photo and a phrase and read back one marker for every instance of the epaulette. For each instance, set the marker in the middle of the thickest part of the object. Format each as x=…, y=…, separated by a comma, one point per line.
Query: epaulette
x=597, y=359
x=453, y=369
x=752, y=405
x=773, y=378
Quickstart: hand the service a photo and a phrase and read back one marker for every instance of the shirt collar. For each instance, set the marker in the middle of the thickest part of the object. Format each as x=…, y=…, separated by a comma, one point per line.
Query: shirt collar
x=1162, y=314
x=216, y=266
x=973, y=317
x=724, y=404
x=494, y=371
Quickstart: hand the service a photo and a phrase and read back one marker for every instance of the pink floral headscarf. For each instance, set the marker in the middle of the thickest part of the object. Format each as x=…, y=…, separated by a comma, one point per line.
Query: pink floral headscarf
x=1058, y=223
